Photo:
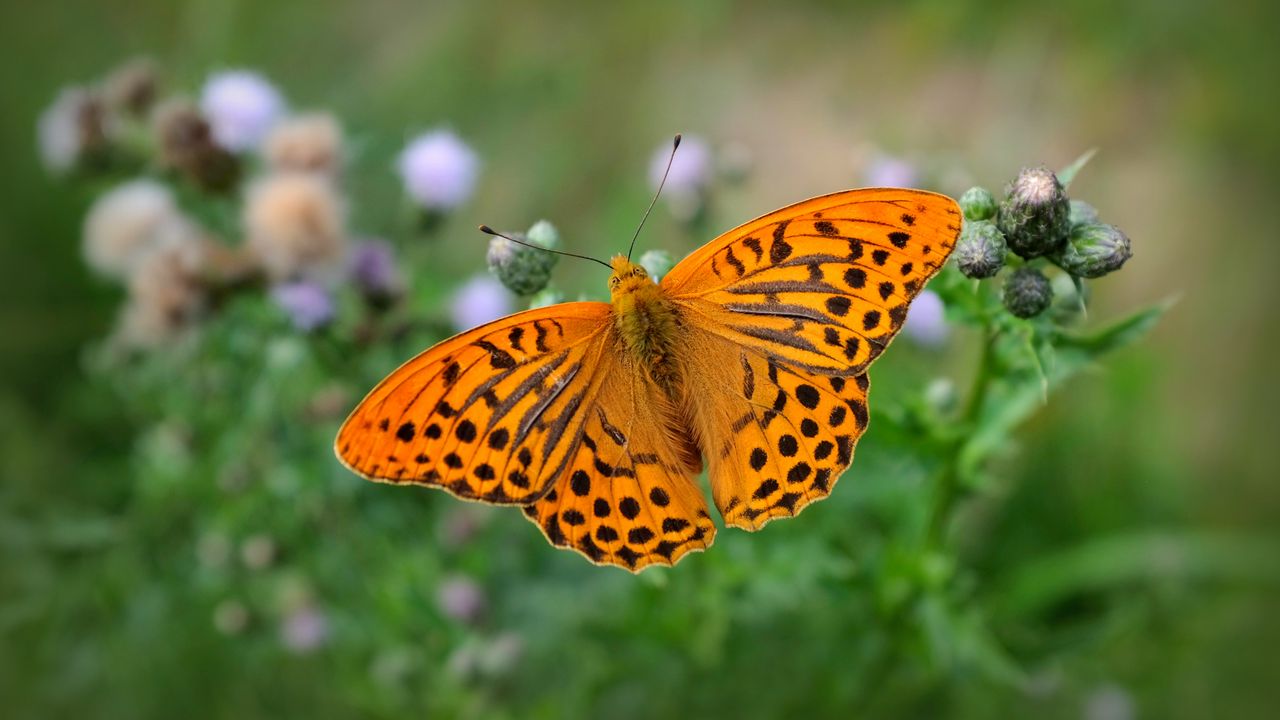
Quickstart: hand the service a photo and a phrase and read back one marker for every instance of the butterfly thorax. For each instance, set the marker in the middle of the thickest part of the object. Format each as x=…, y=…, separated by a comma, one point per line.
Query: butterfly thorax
x=645, y=320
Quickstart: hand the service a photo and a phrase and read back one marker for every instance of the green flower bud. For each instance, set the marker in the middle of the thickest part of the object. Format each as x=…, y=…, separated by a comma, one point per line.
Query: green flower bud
x=1081, y=213
x=978, y=203
x=980, y=250
x=1034, y=216
x=657, y=263
x=1027, y=292
x=1094, y=250
x=524, y=270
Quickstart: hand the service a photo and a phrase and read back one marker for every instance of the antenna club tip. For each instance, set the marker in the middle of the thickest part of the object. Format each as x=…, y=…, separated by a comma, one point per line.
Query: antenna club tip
x=677, y=142
x=487, y=230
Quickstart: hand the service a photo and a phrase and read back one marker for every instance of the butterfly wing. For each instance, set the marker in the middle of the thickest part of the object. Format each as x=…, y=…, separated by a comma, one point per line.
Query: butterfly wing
x=629, y=496
x=802, y=300
x=824, y=284
x=491, y=414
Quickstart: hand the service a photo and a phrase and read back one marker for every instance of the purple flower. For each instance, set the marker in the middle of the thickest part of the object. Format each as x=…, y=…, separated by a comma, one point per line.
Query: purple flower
x=308, y=304
x=480, y=300
x=691, y=169
x=439, y=170
x=889, y=171
x=373, y=268
x=241, y=107
x=926, y=323
x=460, y=598
x=304, y=629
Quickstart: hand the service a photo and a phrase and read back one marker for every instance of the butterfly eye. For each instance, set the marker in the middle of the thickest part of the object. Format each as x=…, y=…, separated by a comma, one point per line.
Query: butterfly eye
x=638, y=272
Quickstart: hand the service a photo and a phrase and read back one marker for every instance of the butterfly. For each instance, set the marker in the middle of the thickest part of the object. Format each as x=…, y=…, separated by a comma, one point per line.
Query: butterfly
x=749, y=358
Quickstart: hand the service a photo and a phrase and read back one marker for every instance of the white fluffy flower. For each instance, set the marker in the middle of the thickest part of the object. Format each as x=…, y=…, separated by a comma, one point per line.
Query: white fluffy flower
x=480, y=300
x=130, y=221
x=242, y=107
x=926, y=322
x=439, y=170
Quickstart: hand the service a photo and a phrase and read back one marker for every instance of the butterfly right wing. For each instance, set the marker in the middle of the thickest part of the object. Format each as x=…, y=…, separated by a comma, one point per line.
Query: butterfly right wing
x=491, y=414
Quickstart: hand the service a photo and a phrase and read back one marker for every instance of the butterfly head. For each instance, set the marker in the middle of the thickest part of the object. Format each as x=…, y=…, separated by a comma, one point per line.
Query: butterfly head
x=627, y=277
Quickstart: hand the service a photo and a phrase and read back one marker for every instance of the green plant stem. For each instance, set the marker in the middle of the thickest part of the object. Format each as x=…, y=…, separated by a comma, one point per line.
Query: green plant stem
x=947, y=488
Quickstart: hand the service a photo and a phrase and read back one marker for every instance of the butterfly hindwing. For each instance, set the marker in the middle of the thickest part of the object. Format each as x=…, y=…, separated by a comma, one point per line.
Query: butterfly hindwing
x=823, y=284
x=776, y=438
x=629, y=497
x=487, y=415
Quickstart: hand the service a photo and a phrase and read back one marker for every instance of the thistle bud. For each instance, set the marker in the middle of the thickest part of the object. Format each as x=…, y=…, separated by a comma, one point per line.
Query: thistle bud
x=980, y=250
x=1027, y=292
x=657, y=263
x=1082, y=213
x=524, y=270
x=978, y=203
x=1093, y=250
x=1034, y=216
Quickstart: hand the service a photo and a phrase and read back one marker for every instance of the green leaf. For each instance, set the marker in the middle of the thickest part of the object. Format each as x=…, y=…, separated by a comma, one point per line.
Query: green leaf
x=1068, y=173
x=1117, y=335
x=1135, y=559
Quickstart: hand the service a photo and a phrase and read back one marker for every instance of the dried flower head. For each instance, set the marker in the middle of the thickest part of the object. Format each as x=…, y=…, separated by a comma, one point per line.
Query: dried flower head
x=439, y=170
x=73, y=130
x=167, y=296
x=186, y=145
x=242, y=106
x=305, y=143
x=131, y=88
x=129, y=221
x=295, y=225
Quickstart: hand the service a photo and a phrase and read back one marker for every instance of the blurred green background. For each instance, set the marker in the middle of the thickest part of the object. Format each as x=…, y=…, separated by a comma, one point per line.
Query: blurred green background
x=106, y=609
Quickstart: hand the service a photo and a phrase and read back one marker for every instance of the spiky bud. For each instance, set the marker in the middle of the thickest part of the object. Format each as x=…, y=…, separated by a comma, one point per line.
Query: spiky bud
x=524, y=270
x=980, y=250
x=1027, y=292
x=1034, y=215
x=978, y=203
x=1093, y=250
x=1082, y=213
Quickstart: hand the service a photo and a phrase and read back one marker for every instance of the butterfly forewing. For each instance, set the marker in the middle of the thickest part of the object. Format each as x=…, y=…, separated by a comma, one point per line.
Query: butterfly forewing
x=823, y=284
x=488, y=415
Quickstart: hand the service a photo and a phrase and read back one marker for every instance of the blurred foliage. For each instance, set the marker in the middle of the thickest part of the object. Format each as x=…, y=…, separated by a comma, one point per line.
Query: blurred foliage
x=176, y=535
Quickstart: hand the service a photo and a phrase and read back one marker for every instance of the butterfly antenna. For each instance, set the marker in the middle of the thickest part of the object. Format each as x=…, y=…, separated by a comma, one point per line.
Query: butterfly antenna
x=666, y=172
x=490, y=231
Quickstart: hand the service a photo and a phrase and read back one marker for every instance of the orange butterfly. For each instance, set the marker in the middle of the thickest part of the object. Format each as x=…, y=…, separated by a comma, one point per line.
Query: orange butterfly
x=750, y=356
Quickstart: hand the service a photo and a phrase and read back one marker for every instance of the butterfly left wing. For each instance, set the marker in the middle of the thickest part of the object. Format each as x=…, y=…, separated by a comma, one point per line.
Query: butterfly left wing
x=629, y=496
x=786, y=313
